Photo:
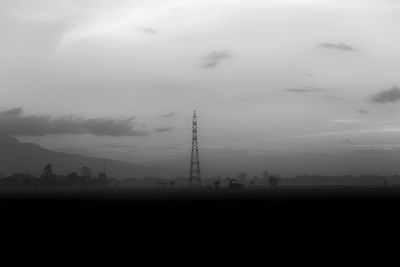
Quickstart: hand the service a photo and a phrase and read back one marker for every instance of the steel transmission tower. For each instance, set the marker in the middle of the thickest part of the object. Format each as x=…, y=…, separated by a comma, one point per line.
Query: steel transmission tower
x=194, y=174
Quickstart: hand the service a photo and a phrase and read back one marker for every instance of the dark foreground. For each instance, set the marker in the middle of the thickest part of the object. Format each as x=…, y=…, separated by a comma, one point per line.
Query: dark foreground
x=253, y=201
x=294, y=212
x=255, y=194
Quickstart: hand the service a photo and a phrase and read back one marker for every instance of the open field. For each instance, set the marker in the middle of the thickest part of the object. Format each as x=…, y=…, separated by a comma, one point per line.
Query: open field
x=251, y=210
x=184, y=194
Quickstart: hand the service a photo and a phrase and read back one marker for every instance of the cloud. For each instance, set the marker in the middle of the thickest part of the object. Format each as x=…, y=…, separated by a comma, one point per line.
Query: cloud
x=168, y=115
x=376, y=147
x=149, y=30
x=362, y=111
x=35, y=16
x=376, y=130
x=305, y=90
x=388, y=96
x=15, y=122
x=335, y=98
x=345, y=121
x=163, y=129
x=214, y=58
x=341, y=46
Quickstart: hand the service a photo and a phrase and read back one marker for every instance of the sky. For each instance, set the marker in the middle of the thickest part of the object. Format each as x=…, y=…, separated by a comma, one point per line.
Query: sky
x=291, y=86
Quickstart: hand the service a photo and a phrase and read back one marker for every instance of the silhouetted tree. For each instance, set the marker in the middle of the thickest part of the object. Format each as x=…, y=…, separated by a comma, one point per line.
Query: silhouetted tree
x=101, y=176
x=162, y=183
x=74, y=178
x=21, y=179
x=113, y=181
x=72, y=175
x=47, y=171
x=265, y=174
x=274, y=181
x=242, y=176
x=86, y=173
x=217, y=183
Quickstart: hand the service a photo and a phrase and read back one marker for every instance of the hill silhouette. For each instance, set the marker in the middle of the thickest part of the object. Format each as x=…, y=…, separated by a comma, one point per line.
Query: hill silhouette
x=30, y=158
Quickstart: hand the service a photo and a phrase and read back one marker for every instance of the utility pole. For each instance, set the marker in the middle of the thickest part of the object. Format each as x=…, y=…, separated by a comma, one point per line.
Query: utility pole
x=194, y=173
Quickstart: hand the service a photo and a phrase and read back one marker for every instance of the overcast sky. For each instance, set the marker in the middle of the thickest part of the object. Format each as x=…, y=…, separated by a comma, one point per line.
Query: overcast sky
x=292, y=86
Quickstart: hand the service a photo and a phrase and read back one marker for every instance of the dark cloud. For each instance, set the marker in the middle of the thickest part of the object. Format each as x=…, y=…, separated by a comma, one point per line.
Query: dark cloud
x=341, y=46
x=305, y=90
x=149, y=30
x=362, y=111
x=168, y=115
x=163, y=129
x=388, y=96
x=215, y=58
x=15, y=122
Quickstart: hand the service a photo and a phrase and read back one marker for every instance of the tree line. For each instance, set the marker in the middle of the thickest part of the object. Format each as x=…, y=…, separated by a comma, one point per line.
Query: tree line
x=85, y=177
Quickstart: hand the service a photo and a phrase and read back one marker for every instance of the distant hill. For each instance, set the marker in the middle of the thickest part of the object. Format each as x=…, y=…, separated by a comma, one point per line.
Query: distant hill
x=31, y=158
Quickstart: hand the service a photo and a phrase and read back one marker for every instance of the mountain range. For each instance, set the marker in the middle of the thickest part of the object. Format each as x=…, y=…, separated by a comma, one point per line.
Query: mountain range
x=31, y=158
